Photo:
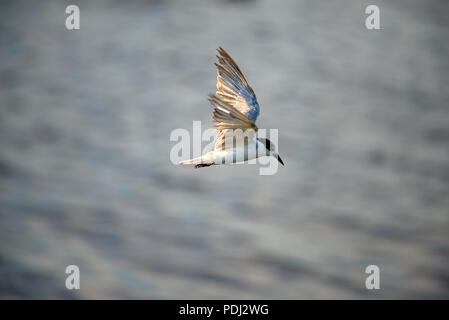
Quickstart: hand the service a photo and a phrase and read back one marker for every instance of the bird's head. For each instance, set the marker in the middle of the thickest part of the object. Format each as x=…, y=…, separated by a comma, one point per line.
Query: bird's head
x=271, y=149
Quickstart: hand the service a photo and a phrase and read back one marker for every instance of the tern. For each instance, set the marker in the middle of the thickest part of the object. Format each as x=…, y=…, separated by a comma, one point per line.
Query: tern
x=235, y=112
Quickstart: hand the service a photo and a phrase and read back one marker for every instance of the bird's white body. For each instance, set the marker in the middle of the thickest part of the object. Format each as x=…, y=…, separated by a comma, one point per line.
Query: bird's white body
x=249, y=151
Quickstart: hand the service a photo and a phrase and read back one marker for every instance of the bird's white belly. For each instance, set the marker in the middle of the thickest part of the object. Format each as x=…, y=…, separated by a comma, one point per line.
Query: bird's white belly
x=236, y=155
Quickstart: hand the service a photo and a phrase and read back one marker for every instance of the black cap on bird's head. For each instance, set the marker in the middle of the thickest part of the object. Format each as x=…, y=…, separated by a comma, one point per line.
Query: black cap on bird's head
x=271, y=148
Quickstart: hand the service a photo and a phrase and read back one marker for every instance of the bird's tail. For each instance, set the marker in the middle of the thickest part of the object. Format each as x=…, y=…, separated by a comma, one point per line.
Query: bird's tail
x=202, y=160
x=198, y=160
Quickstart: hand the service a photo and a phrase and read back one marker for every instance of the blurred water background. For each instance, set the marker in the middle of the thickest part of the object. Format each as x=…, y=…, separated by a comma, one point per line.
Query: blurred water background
x=85, y=175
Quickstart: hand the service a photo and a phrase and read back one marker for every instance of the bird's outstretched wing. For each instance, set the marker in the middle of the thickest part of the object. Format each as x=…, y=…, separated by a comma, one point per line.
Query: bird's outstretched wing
x=235, y=103
x=233, y=88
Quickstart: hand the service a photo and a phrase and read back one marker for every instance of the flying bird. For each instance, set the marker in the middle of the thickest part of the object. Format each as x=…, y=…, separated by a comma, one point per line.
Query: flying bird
x=235, y=112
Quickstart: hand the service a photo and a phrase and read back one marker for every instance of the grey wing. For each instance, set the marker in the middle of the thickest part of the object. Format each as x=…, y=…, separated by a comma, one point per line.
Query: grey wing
x=233, y=88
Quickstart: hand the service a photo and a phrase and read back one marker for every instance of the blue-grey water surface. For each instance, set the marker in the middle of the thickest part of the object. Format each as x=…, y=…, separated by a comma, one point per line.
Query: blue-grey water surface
x=86, y=179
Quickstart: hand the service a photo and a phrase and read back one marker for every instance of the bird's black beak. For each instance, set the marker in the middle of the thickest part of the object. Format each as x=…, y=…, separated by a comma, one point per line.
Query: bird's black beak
x=280, y=160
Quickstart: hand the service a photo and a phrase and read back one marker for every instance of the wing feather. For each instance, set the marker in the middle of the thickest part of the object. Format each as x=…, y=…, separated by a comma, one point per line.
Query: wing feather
x=235, y=104
x=233, y=86
x=226, y=116
x=227, y=119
